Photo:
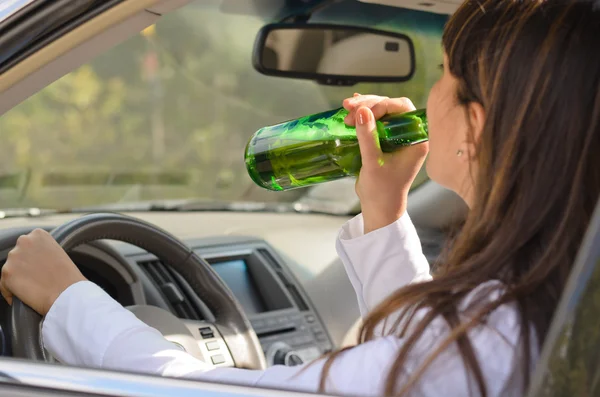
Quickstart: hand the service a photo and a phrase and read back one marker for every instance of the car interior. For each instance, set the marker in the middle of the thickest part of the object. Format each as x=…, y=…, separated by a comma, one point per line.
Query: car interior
x=271, y=265
x=283, y=287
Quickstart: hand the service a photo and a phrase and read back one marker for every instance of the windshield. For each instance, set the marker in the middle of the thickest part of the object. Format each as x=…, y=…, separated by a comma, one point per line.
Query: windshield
x=167, y=114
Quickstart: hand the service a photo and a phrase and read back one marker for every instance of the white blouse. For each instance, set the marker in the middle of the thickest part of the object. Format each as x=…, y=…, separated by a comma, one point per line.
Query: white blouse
x=86, y=327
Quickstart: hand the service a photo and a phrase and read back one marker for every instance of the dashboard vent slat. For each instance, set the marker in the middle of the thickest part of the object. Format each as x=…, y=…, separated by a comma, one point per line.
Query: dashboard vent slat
x=267, y=255
x=170, y=283
x=154, y=273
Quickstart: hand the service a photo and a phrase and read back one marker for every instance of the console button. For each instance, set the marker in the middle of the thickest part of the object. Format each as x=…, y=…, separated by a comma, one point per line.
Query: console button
x=282, y=320
x=293, y=359
x=310, y=318
x=282, y=354
x=206, y=333
x=320, y=336
x=309, y=354
x=213, y=345
x=306, y=339
x=218, y=359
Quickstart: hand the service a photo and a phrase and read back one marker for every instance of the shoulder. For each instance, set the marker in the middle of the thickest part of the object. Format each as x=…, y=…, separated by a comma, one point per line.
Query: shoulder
x=496, y=343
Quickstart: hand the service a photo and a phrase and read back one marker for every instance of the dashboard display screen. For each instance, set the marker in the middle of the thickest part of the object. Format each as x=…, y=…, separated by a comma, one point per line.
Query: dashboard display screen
x=235, y=274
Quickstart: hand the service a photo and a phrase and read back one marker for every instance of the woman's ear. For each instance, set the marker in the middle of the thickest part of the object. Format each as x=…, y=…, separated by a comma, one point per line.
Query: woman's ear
x=476, y=115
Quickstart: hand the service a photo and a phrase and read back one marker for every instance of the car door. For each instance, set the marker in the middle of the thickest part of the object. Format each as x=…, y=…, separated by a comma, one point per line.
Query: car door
x=20, y=378
x=570, y=361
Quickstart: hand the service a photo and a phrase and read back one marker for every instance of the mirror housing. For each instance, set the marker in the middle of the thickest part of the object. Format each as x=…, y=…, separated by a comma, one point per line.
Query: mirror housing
x=333, y=54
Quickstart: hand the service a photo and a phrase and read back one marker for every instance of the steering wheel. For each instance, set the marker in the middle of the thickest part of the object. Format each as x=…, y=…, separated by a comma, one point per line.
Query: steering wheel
x=230, y=320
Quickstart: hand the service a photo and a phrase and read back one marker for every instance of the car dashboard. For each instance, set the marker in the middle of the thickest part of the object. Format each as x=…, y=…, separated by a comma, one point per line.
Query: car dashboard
x=269, y=283
x=276, y=304
x=283, y=267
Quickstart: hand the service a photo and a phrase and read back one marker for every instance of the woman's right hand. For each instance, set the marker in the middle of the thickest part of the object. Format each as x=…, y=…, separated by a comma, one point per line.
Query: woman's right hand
x=385, y=178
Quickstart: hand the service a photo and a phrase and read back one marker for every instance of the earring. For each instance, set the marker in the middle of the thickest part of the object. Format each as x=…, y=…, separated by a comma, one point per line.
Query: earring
x=459, y=152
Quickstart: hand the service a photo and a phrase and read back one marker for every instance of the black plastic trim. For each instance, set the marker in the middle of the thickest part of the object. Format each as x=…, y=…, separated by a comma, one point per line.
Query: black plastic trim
x=327, y=79
x=43, y=25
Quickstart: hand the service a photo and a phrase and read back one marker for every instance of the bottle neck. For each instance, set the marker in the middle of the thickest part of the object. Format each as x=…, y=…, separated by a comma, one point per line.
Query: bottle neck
x=402, y=129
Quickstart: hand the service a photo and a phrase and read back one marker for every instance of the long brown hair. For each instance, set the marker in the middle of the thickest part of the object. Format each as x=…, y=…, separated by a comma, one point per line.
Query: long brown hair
x=534, y=66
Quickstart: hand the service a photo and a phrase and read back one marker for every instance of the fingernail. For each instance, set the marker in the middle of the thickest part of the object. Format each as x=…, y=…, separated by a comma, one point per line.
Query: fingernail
x=363, y=116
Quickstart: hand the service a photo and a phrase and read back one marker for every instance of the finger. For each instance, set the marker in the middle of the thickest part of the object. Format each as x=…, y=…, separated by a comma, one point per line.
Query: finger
x=392, y=105
x=355, y=101
x=358, y=99
x=366, y=132
x=5, y=292
x=379, y=105
x=388, y=106
x=348, y=104
x=366, y=100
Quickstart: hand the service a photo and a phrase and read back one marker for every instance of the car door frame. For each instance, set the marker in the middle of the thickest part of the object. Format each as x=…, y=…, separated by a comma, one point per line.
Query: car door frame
x=561, y=367
x=20, y=377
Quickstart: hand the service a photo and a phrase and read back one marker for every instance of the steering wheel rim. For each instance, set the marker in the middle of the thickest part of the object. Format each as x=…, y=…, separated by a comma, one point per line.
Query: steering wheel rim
x=230, y=319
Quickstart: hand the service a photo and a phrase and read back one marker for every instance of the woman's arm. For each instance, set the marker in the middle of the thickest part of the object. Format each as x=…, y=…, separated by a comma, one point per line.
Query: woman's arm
x=381, y=261
x=86, y=327
x=84, y=321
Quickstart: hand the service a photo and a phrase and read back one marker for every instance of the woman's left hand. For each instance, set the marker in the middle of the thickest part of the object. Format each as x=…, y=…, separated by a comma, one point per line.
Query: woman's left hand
x=37, y=271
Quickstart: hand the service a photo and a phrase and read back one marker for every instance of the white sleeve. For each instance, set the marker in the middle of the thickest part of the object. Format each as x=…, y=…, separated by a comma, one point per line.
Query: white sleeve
x=86, y=327
x=382, y=261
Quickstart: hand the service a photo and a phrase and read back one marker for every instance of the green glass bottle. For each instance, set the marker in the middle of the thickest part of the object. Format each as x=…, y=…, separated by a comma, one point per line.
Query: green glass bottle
x=321, y=147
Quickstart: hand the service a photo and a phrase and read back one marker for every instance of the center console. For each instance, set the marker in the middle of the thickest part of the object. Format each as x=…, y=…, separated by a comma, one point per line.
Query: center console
x=280, y=312
x=286, y=323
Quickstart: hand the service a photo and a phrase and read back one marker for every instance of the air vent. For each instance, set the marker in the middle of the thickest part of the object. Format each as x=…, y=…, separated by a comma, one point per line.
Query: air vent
x=296, y=295
x=292, y=289
x=267, y=255
x=174, y=288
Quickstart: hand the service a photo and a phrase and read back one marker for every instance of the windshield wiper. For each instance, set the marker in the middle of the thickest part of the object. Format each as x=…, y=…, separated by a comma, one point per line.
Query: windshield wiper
x=195, y=205
x=299, y=206
x=32, y=212
x=239, y=206
x=190, y=205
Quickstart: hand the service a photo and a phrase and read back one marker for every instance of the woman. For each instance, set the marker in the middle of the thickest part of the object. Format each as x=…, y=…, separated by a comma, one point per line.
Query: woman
x=514, y=129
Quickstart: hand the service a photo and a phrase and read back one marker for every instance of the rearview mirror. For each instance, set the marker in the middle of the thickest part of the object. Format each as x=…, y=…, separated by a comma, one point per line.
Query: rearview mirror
x=333, y=54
